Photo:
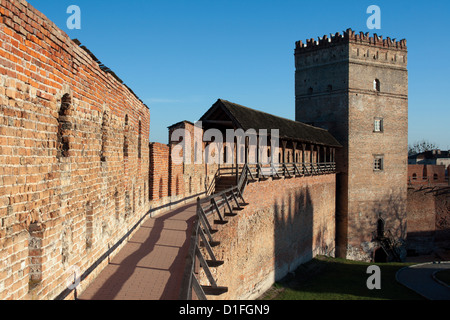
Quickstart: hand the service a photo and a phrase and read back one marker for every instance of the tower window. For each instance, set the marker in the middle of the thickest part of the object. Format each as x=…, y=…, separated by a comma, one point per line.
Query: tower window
x=378, y=163
x=378, y=125
x=376, y=85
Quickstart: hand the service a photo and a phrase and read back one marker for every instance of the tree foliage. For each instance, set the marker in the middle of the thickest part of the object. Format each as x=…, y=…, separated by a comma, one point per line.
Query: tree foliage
x=421, y=146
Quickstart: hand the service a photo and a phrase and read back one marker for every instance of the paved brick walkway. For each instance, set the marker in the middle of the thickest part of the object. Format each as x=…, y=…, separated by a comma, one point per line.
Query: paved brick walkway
x=151, y=264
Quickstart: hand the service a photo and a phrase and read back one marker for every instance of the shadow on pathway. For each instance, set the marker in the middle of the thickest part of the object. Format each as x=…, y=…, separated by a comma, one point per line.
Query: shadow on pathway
x=151, y=264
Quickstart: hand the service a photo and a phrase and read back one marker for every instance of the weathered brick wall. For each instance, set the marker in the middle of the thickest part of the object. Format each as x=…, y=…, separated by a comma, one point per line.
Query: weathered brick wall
x=197, y=173
x=421, y=221
x=287, y=223
x=73, y=142
x=428, y=219
x=176, y=185
x=159, y=173
x=372, y=193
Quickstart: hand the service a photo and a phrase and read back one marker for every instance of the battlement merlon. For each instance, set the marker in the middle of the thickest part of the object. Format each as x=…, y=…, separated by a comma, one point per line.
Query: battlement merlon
x=349, y=36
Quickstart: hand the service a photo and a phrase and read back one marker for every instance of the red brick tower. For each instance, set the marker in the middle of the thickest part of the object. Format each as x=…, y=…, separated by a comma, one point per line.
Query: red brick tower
x=356, y=86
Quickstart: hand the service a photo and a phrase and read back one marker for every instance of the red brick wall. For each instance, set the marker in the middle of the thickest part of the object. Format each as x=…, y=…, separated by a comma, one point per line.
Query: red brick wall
x=176, y=184
x=159, y=171
x=196, y=174
x=68, y=191
x=420, y=174
x=287, y=223
x=428, y=219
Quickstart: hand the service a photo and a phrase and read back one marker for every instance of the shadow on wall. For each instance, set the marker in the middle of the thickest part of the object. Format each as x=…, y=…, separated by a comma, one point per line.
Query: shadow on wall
x=364, y=227
x=293, y=234
x=428, y=221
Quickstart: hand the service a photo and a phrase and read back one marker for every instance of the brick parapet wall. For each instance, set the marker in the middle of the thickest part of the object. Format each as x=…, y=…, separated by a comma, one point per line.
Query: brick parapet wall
x=68, y=191
x=159, y=171
x=287, y=223
x=426, y=175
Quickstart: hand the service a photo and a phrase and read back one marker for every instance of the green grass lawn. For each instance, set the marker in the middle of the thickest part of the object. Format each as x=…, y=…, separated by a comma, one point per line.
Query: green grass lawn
x=338, y=279
x=444, y=276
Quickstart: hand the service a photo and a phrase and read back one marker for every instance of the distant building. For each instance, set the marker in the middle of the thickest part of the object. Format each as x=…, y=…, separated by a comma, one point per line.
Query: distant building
x=436, y=156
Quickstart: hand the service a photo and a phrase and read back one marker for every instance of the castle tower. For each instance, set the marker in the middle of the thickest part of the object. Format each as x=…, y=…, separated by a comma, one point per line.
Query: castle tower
x=356, y=86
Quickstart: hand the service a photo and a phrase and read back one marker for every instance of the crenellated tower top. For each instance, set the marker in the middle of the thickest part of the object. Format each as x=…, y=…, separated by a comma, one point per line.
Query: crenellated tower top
x=350, y=36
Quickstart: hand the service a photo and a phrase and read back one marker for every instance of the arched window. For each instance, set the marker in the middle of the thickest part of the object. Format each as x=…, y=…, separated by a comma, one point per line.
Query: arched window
x=414, y=176
x=435, y=177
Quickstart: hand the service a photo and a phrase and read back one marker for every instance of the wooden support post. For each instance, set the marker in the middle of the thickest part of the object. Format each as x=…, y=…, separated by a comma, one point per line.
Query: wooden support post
x=221, y=219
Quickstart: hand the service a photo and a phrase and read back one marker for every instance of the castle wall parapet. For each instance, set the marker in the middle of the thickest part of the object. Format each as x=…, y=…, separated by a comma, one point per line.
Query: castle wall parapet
x=350, y=36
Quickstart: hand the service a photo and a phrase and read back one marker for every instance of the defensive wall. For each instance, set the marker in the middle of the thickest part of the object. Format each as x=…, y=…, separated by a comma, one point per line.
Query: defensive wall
x=288, y=222
x=428, y=219
x=78, y=174
x=74, y=142
x=427, y=175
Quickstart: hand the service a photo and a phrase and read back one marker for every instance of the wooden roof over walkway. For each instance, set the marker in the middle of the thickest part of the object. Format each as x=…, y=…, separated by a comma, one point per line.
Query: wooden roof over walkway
x=225, y=114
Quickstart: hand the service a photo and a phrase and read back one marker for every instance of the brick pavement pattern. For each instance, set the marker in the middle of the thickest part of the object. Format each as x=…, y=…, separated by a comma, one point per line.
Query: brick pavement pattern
x=151, y=265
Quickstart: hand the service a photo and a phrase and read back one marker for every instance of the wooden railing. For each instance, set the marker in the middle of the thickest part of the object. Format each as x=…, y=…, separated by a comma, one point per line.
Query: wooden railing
x=289, y=170
x=218, y=206
x=224, y=204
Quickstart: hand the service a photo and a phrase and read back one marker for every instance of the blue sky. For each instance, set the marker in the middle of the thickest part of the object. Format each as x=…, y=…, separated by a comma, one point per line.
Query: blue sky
x=179, y=56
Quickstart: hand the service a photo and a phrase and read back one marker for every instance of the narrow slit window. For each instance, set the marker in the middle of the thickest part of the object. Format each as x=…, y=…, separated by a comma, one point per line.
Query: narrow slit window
x=104, y=137
x=64, y=127
x=140, y=140
x=377, y=85
x=125, y=138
